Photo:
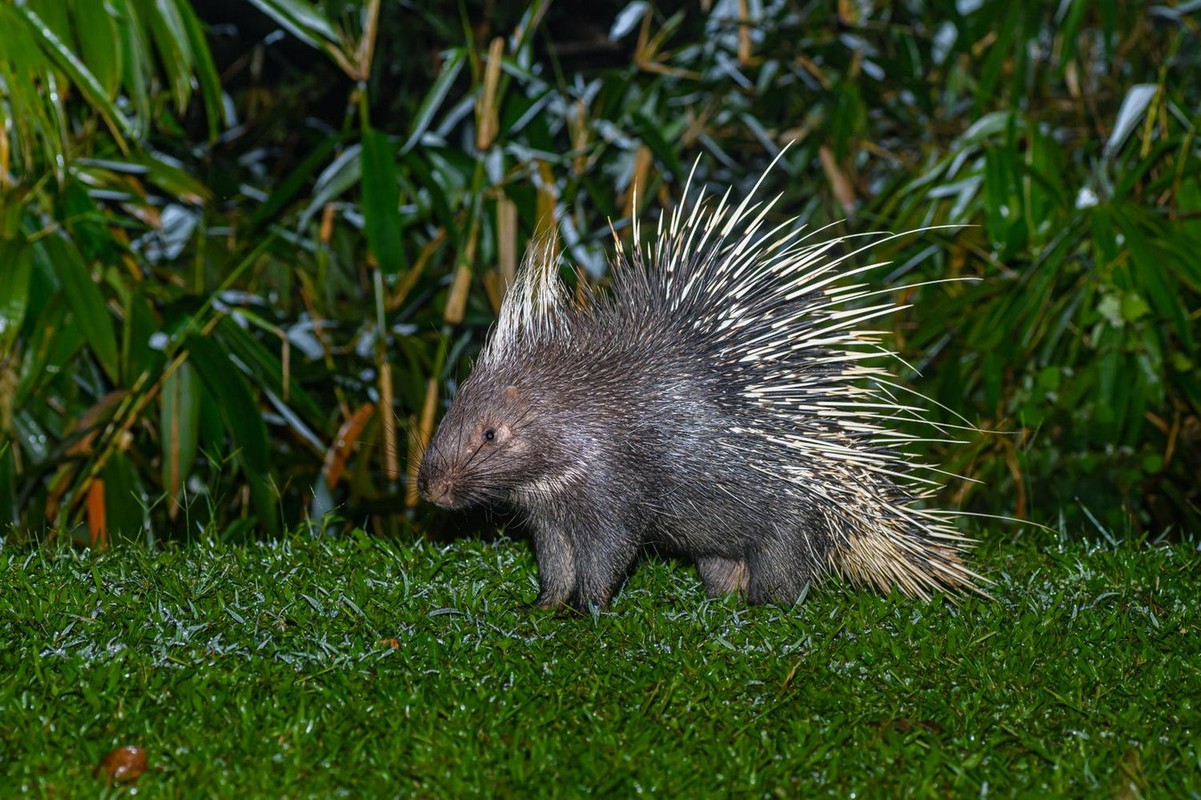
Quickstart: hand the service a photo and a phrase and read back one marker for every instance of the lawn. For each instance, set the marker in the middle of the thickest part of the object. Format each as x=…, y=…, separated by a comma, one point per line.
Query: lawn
x=364, y=667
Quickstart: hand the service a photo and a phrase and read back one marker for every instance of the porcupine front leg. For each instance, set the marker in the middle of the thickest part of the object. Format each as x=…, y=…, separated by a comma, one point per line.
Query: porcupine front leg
x=556, y=566
x=605, y=547
x=601, y=565
x=582, y=568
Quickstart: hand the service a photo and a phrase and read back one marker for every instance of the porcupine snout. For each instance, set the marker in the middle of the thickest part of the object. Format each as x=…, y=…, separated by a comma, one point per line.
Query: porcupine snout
x=435, y=482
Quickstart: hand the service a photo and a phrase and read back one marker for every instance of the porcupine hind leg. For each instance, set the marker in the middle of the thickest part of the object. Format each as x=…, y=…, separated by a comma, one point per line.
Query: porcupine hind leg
x=782, y=565
x=722, y=575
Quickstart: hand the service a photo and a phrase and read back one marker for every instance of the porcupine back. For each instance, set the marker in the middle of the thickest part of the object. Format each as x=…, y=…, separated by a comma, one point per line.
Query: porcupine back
x=725, y=399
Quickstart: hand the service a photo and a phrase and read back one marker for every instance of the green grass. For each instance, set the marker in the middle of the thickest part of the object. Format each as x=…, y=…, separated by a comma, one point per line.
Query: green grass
x=266, y=670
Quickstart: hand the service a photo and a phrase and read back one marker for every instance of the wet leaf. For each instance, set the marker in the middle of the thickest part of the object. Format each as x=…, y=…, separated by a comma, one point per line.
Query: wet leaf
x=1134, y=106
x=435, y=97
x=124, y=764
x=180, y=418
x=381, y=201
x=15, y=256
x=87, y=303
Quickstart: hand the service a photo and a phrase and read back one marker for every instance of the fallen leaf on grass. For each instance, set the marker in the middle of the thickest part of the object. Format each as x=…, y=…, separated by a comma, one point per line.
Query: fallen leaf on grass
x=124, y=764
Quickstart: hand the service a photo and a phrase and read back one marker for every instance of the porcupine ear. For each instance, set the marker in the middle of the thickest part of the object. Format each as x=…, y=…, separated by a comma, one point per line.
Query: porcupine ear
x=532, y=308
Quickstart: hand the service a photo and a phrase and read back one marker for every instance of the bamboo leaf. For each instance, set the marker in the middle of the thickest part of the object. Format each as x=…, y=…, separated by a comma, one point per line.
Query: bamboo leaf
x=182, y=186
x=996, y=195
x=435, y=96
x=138, y=354
x=338, y=177
x=122, y=499
x=137, y=62
x=32, y=126
x=381, y=201
x=204, y=69
x=1189, y=201
x=170, y=39
x=240, y=413
x=9, y=515
x=1152, y=276
x=265, y=369
x=179, y=424
x=87, y=303
x=1069, y=33
x=242, y=420
x=99, y=44
x=51, y=346
x=65, y=59
x=652, y=137
x=301, y=19
x=294, y=181
x=1134, y=106
x=15, y=263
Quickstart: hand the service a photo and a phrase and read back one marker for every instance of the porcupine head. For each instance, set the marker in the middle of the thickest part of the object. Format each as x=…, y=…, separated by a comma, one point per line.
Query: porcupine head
x=717, y=402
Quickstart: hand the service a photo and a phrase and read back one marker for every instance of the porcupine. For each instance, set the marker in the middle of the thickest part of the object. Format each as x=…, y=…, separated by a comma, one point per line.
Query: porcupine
x=720, y=401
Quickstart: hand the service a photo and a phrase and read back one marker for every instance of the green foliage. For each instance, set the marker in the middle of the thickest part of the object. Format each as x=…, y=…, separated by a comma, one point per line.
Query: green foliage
x=202, y=328
x=113, y=55
x=1084, y=336
x=310, y=668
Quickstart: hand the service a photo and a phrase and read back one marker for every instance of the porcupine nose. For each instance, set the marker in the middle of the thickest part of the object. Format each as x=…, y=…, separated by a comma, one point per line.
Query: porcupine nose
x=436, y=490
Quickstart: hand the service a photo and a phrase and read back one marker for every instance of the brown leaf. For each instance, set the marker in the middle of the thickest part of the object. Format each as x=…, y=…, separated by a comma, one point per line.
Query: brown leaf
x=643, y=161
x=486, y=111
x=97, y=516
x=124, y=764
x=348, y=436
x=456, y=301
x=840, y=184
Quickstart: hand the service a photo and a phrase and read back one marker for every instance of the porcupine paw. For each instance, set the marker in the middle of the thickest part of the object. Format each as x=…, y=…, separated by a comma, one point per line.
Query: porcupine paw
x=722, y=575
x=585, y=599
x=560, y=609
x=550, y=597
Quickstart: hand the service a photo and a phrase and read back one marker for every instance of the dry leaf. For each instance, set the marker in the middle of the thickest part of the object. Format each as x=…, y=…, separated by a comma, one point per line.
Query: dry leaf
x=124, y=764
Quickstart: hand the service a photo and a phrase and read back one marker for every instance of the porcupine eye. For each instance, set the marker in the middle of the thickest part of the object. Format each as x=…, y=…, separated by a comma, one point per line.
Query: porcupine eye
x=489, y=435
